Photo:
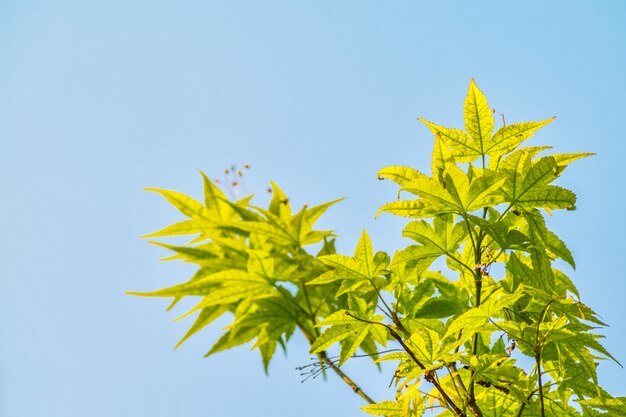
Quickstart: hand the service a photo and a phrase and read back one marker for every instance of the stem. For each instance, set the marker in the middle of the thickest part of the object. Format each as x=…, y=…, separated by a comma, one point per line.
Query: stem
x=537, y=349
x=345, y=378
x=457, y=260
x=456, y=380
x=479, y=284
x=389, y=313
x=478, y=287
x=322, y=355
x=521, y=409
x=308, y=303
x=538, y=361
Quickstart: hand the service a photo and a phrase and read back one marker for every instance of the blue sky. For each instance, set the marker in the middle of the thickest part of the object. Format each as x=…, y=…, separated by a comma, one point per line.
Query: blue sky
x=101, y=99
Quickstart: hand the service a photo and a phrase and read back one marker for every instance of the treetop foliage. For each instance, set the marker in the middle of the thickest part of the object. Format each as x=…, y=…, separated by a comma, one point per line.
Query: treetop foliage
x=470, y=340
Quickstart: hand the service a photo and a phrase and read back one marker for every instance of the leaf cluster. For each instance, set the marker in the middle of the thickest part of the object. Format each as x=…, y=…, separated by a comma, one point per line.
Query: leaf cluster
x=500, y=332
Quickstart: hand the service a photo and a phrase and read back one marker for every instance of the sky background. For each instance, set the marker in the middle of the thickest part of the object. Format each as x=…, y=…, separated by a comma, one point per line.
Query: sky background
x=100, y=99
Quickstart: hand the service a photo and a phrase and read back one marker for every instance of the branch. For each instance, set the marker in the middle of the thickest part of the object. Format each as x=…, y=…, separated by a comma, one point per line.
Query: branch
x=322, y=355
x=521, y=409
x=345, y=378
x=429, y=375
x=538, y=361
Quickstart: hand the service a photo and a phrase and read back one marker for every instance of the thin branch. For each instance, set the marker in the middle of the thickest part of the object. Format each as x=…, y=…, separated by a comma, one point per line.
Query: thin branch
x=454, y=258
x=346, y=379
x=322, y=355
x=538, y=361
x=521, y=409
x=477, y=245
x=389, y=312
x=457, y=380
x=537, y=349
x=324, y=358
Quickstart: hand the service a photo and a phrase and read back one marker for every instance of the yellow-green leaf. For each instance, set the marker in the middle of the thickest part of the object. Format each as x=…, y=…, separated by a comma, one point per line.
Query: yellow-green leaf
x=400, y=174
x=509, y=137
x=462, y=146
x=478, y=116
x=186, y=227
x=185, y=204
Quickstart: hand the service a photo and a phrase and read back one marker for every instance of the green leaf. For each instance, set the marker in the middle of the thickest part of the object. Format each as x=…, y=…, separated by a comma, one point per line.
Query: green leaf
x=527, y=185
x=450, y=300
x=280, y=205
x=442, y=159
x=572, y=348
x=206, y=317
x=400, y=175
x=351, y=332
x=327, y=277
x=188, y=253
x=236, y=286
x=478, y=117
x=362, y=269
x=509, y=137
x=410, y=208
x=312, y=214
x=199, y=287
x=275, y=316
x=615, y=406
x=364, y=254
x=445, y=235
x=414, y=253
x=229, y=340
x=277, y=234
x=343, y=263
x=476, y=318
x=185, y=204
x=186, y=227
x=536, y=275
x=545, y=238
x=549, y=197
x=484, y=192
x=386, y=408
x=335, y=334
x=505, y=236
x=443, y=200
x=215, y=200
x=464, y=149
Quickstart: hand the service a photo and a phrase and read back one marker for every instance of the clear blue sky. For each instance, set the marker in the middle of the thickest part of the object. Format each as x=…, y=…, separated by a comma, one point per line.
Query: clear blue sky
x=99, y=99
